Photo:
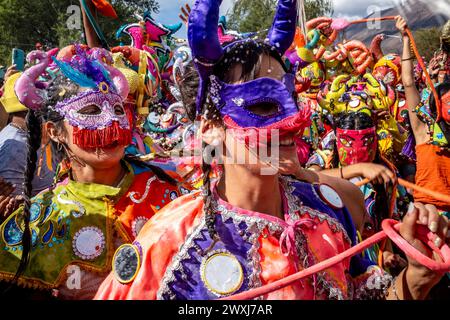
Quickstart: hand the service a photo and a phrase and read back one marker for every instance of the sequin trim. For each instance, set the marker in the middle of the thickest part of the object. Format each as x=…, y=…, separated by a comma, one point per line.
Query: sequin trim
x=81, y=210
x=100, y=245
x=134, y=195
x=333, y=223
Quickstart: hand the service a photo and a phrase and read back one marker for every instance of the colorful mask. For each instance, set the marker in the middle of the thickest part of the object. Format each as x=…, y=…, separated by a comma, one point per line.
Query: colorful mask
x=107, y=88
x=356, y=146
x=207, y=50
x=388, y=69
x=315, y=72
x=99, y=130
x=233, y=101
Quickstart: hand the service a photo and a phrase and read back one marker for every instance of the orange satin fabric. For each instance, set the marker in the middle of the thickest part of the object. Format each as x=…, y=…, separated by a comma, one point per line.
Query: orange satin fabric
x=162, y=237
x=157, y=197
x=433, y=172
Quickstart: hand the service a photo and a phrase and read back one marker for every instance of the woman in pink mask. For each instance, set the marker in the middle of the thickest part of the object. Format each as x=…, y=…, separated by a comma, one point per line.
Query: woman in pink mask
x=61, y=241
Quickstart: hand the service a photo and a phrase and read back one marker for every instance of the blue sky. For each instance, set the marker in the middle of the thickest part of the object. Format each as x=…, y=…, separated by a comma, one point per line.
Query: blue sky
x=170, y=9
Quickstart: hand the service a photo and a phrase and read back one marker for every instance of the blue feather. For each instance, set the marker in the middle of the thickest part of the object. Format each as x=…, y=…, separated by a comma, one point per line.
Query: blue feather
x=105, y=73
x=74, y=75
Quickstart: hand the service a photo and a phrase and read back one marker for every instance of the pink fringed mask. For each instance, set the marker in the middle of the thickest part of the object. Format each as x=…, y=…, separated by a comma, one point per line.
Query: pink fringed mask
x=109, y=126
x=106, y=89
x=356, y=146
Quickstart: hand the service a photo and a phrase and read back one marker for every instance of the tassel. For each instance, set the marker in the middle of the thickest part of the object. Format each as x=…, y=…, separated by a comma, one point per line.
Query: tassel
x=91, y=139
x=48, y=156
x=41, y=161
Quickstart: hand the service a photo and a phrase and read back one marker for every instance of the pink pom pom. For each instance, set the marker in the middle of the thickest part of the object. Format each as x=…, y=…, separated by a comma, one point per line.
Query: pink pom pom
x=340, y=24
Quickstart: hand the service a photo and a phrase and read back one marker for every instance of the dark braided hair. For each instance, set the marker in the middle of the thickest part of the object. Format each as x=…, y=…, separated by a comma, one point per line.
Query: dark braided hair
x=249, y=54
x=59, y=89
x=188, y=90
x=34, y=125
x=34, y=139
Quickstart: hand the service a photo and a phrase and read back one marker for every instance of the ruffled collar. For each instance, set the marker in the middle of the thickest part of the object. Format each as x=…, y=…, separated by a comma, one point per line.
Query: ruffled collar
x=93, y=191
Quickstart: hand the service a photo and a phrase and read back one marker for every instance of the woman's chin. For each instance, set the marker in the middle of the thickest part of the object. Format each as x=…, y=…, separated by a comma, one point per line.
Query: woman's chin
x=104, y=156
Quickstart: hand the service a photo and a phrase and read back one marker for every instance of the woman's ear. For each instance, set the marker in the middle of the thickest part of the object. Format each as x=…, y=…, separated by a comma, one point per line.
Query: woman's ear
x=53, y=132
x=211, y=132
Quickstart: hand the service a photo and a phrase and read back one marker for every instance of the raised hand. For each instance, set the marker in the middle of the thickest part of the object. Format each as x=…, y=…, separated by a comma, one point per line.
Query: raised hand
x=184, y=15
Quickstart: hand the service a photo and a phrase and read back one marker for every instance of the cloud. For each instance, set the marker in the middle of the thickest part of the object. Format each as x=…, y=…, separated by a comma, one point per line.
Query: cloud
x=347, y=8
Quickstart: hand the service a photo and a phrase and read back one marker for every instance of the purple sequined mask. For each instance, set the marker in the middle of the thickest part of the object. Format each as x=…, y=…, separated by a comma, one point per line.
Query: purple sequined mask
x=106, y=102
x=234, y=100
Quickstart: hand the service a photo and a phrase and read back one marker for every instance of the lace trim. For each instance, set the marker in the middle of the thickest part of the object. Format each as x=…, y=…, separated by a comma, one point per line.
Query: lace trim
x=296, y=208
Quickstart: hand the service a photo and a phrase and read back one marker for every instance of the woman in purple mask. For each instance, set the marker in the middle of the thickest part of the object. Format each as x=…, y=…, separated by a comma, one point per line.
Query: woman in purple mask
x=253, y=226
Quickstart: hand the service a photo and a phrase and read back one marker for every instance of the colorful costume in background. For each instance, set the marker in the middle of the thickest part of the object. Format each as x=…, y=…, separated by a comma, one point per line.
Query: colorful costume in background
x=433, y=158
x=76, y=224
x=13, y=147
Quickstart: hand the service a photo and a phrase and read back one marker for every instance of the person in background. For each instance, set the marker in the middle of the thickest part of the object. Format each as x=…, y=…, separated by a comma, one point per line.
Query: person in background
x=13, y=151
x=98, y=200
x=432, y=135
x=13, y=142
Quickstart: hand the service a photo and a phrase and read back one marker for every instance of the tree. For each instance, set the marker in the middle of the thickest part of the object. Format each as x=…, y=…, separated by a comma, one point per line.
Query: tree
x=257, y=15
x=24, y=23
x=428, y=41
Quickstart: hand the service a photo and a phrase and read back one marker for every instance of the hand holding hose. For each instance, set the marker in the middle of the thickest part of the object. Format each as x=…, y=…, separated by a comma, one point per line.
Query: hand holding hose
x=401, y=25
x=420, y=279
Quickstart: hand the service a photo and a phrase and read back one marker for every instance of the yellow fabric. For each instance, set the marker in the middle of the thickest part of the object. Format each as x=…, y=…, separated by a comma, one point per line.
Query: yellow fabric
x=9, y=99
x=130, y=74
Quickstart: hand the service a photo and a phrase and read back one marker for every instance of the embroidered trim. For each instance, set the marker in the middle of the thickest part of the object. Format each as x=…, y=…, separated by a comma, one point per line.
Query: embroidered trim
x=133, y=194
x=203, y=269
x=255, y=226
x=175, y=265
x=93, y=236
x=138, y=222
x=76, y=214
x=333, y=223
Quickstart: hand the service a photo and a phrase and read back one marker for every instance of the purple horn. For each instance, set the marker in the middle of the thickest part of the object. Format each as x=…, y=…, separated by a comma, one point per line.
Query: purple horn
x=202, y=31
x=282, y=32
x=27, y=92
x=204, y=42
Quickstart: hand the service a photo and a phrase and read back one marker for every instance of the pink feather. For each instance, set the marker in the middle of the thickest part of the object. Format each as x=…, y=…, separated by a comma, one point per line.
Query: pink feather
x=340, y=24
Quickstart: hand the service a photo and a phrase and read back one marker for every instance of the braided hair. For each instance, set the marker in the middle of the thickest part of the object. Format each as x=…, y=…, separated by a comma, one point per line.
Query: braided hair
x=58, y=89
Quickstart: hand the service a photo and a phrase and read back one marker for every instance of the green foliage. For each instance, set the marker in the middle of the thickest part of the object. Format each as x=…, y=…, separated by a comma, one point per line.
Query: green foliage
x=23, y=23
x=428, y=41
x=257, y=15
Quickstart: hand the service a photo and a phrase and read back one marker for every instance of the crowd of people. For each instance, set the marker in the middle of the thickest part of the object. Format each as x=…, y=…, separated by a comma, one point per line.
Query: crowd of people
x=212, y=166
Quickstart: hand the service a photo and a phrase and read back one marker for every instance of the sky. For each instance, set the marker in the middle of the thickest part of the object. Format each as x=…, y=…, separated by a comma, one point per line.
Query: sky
x=350, y=9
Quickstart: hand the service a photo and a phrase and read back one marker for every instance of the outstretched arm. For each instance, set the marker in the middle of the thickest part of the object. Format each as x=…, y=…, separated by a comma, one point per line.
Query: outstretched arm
x=377, y=173
x=412, y=94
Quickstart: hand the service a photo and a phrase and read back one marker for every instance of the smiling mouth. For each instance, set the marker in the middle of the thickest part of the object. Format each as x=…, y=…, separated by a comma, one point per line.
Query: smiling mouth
x=287, y=142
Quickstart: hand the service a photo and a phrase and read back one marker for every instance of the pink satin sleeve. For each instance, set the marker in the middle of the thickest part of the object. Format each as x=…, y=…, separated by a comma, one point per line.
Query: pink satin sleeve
x=160, y=239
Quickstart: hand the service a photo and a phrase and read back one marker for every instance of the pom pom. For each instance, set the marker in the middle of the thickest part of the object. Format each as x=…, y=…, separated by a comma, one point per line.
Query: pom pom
x=340, y=24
